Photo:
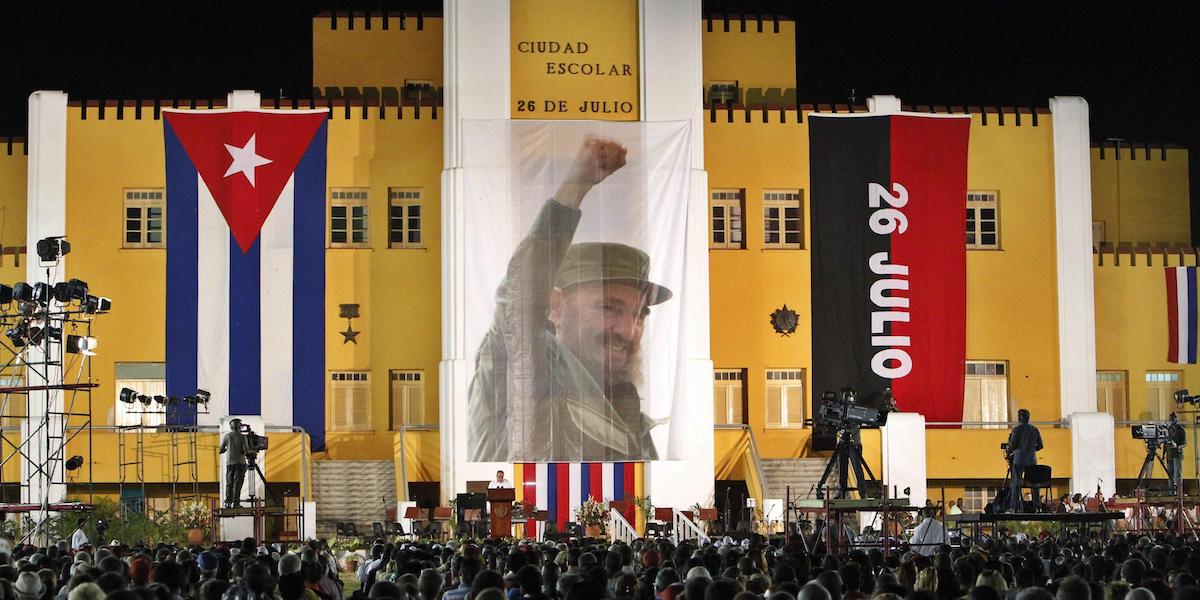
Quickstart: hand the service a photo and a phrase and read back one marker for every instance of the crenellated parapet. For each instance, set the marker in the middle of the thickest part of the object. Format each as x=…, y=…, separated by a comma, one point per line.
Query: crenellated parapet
x=356, y=20
x=14, y=146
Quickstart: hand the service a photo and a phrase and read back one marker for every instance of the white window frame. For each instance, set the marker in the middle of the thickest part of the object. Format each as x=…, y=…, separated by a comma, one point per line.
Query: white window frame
x=342, y=387
x=144, y=199
x=403, y=381
x=406, y=198
x=1109, y=383
x=350, y=200
x=1161, y=383
x=731, y=384
x=732, y=220
x=977, y=202
x=137, y=414
x=976, y=497
x=784, y=379
x=781, y=200
x=985, y=373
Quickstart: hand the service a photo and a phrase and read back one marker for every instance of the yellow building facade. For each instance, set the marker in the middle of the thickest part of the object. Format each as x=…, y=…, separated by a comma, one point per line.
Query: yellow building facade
x=384, y=85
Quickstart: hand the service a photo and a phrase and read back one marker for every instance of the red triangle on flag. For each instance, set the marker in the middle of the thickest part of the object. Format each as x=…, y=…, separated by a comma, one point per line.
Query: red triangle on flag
x=245, y=158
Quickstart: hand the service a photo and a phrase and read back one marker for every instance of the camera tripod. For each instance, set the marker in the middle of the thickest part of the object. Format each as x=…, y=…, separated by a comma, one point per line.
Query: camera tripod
x=847, y=454
x=1147, y=470
x=252, y=464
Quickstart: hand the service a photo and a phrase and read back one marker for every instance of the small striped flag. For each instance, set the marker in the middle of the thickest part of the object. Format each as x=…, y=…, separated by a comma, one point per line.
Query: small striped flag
x=1181, y=315
x=559, y=488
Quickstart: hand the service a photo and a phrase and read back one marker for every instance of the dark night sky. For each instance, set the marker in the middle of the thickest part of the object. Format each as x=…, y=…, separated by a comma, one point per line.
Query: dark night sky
x=1136, y=63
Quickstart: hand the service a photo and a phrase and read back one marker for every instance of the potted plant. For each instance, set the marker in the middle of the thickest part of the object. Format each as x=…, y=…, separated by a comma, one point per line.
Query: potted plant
x=345, y=549
x=593, y=515
x=196, y=517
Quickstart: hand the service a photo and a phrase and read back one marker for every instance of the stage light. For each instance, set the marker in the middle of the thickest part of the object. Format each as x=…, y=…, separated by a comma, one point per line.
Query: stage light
x=160, y=400
x=77, y=289
x=127, y=396
x=41, y=293
x=95, y=304
x=52, y=248
x=145, y=400
x=74, y=462
x=1183, y=397
x=80, y=344
x=23, y=291
x=202, y=397
x=61, y=292
x=6, y=294
x=37, y=334
x=17, y=335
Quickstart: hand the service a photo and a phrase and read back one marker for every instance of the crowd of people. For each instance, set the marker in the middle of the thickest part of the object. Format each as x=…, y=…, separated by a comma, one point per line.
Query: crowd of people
x=1123, y=567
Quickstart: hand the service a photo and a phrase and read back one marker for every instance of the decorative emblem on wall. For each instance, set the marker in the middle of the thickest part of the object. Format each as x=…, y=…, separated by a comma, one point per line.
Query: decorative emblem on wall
x=784, y=320
x=349, y=312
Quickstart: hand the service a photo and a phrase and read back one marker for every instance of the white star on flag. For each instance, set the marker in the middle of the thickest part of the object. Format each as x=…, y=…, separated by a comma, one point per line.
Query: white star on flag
x=245, y=160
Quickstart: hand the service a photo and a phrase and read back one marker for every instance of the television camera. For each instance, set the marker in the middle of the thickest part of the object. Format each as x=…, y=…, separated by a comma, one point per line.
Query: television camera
x=254, y=443
x=847, y=413
x=845, y=410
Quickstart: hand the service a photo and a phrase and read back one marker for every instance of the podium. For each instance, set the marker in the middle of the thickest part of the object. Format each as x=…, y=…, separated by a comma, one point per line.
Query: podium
x=501, y=500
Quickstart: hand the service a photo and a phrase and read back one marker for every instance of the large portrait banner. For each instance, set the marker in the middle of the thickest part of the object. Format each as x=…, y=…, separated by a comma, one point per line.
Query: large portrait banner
x=574, y=254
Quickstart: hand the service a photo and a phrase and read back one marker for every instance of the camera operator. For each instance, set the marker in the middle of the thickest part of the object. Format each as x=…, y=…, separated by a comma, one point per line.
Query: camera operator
x=1176, y=440
x=1023, y=444
x=235, y=466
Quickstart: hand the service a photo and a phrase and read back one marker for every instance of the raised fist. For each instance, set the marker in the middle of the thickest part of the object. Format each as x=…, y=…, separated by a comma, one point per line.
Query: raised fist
x=597, y=159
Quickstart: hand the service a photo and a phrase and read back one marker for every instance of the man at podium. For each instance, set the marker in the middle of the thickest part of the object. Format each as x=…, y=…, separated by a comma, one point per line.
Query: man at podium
x=499, y=482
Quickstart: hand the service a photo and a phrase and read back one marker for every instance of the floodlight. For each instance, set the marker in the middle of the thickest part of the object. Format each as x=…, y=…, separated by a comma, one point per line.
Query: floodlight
x=74, y=462
x=23, y=291
x=127, y=396
x=52, y=248
x=95, y=304
x=81, y=344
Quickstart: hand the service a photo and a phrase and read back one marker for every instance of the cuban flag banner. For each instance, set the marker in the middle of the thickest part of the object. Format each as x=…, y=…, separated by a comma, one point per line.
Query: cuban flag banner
x=246, y=264
x=1181, y=315
x=560, y=488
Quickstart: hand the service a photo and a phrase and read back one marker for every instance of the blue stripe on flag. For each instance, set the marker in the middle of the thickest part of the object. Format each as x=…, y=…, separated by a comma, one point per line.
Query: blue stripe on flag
x=1191, y=315
x=245, y=329
x=308, y=291
x=552, y=492
x=182, y=285
x=618, y=478
x=585, y=481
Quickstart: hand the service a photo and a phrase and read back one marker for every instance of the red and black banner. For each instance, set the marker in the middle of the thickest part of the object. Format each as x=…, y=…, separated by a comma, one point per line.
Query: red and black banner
x=889, y=258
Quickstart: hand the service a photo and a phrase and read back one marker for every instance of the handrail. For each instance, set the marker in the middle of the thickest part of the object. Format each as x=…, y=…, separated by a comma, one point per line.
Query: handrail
x=755, y=457
x=686, y=529
x=619, y=529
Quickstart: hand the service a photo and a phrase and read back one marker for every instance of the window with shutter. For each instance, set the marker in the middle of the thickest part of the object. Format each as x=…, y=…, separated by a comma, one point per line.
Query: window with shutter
x=407, y=398
x=985, y=395
x=350, y=401
x=785, y=398
x=1112, y=394
x=727, y=396
x=1160, y=394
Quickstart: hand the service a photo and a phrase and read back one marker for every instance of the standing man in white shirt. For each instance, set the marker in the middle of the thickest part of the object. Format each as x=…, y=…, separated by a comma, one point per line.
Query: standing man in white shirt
x=79, y=538
x=499, y=482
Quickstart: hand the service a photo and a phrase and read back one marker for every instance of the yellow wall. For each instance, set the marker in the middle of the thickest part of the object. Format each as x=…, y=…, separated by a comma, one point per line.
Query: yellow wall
x=753, y=59
x=398, y=290
x=1131, y=327
x=1142, y=200
x=747, y=284
x=12, y=200
x=568, y=54
x=378, y=57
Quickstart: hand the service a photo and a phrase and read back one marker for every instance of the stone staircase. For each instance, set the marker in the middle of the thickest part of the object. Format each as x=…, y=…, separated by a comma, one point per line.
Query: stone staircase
x=360, y=491
x=799, y=473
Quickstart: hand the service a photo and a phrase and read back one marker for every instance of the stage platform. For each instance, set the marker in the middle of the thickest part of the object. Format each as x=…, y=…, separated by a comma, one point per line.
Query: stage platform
x=1080, y=517
x=57, y=507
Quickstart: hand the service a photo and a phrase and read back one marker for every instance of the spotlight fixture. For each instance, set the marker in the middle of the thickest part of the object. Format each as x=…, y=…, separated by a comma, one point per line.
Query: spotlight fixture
x=202, y=397
x=37, y=334
x=160, y=400
x=77, y=289
x=22, y=291
x=74, y=462
x=1183, y=397
x=145, y=400
x=96, y=304
x=127, y=396
x=52, y=248
x=41, y=293
x=17, y=335
x=80, y=344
